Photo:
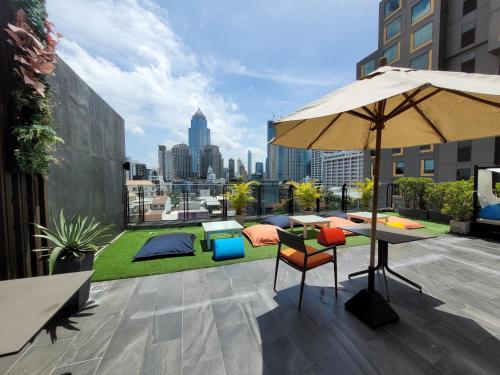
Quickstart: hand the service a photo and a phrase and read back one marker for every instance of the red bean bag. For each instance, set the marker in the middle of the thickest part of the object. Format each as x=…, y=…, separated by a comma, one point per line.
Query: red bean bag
x=331, y=236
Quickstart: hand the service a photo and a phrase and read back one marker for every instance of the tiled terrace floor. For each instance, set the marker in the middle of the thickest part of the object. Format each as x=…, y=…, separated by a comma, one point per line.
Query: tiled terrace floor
x=228, y=320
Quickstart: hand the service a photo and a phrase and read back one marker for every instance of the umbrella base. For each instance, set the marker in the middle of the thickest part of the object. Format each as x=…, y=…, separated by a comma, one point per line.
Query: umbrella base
x=371, y=308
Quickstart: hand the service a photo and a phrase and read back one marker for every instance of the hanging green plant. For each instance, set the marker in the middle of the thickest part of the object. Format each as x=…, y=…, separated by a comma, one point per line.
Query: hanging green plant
x=35, y=57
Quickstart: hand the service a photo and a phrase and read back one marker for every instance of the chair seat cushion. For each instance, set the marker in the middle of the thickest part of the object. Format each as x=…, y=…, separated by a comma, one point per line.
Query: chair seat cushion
x=331, y=236
x=169, y=244
x=282, y=221
x=298, y=258
x=262, y=234
x=228, y=248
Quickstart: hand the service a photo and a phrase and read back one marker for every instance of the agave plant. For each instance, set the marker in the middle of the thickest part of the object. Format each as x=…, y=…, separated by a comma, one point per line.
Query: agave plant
x=240, y=195
x=71, y=237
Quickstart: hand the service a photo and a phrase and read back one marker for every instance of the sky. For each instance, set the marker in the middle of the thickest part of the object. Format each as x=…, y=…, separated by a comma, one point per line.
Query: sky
x=241, y=62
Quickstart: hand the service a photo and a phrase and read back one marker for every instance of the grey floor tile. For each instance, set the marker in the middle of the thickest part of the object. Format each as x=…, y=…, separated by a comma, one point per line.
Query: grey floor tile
x=227, y=313
x=164, y=358
x=167, y=326
x=213, y=367
x=82, y=368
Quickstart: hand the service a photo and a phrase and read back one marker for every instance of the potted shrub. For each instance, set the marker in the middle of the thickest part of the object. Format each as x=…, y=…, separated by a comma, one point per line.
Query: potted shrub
x=73, y=244
x=307, y=194
x=365, y=190
x=239, y=196
x=458, y=205
x=434, y=196
x=412, y=191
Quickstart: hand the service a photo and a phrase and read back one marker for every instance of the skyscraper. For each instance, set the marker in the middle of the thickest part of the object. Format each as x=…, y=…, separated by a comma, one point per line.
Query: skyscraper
x=165, y=163
x=249, y=162
x=211, y=157
x=238, y=167
x=231, y=169
x=259, y=167
x=182, y=161
x=285, y=163
x=199, y=137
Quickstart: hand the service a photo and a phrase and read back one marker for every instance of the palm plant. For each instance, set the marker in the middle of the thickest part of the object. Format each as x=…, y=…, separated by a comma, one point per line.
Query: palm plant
x=72, y=237
x=240, y=195
x=365, y=190
x=307, y=194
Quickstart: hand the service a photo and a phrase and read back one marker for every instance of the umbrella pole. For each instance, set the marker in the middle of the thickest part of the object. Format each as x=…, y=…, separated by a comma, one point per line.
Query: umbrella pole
x=368, y=305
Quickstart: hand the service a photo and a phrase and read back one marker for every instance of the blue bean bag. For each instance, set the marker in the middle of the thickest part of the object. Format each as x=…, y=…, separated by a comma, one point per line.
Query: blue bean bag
x=490, y=212
x=228, y=248
x=282, y=221
x=170, y=244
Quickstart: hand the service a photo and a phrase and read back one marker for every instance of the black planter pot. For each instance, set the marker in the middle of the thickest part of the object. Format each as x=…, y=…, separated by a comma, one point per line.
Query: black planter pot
x=437, y=216
x=415, y=213
x=67, y=265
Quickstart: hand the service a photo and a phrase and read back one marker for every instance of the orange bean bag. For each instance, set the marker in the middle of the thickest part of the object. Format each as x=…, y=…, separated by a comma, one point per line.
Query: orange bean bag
x=262, y=234
x=335, y=222
x=407, y=223
x=331, y=236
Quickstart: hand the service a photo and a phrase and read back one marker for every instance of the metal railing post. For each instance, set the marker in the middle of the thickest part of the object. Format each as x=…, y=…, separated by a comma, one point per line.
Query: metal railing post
x=318, y=200
x=290, y=200
x=259, y=200
x=343, y=203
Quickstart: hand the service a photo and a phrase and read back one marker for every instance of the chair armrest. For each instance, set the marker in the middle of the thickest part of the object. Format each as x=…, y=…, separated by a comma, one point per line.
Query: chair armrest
x=332, y=247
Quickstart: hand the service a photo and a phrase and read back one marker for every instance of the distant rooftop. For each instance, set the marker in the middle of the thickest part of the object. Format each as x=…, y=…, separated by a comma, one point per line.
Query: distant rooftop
x=139, y=182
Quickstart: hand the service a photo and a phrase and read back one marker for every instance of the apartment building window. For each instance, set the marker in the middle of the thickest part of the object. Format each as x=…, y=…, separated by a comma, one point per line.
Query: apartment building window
x=397, y=151
x=372, y=153
x=426, y=148
x=392, y=53
x=392, y=29
x=398, y=168
x=469, y=62
x=421, y=37
x=468, y=34
x=427, y=167
x=463, y=173
x=422, y=62
x=391, y=6
x=368, y=67
x=469, y=6
x=464, y=151
x=421, y=9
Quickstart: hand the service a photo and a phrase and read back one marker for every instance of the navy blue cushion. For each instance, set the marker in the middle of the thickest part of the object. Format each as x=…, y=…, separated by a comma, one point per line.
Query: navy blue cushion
x=491, y=212
x=167, y=245
x=282, y=221
x=229, y=248
x=340, y=214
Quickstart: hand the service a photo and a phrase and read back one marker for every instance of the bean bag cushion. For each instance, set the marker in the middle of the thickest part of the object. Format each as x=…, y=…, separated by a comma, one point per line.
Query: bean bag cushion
x=340, y=214
x=331, y=236
x=228, y=248
x=490, y=212
x=408, y=224
x=396, y=224
x=335, y=222
x=282, y=221
x=170, y=244
x=262, y=234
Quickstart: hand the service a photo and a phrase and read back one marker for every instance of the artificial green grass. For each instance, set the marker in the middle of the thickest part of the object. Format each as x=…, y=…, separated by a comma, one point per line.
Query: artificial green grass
x=115, y=262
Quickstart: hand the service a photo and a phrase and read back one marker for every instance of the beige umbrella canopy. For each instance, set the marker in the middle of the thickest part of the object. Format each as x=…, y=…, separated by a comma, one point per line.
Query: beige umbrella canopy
x=396, y=107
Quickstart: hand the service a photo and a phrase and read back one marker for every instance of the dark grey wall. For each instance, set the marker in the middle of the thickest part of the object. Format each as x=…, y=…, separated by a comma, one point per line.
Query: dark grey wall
x=88, y=179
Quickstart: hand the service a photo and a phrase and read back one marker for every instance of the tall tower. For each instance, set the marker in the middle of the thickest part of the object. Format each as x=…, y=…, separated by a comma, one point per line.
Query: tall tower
x=199, y=137
x=181, y=156
x=162, y=161
x=211, y=158
x=231, y=169
x=249, y=162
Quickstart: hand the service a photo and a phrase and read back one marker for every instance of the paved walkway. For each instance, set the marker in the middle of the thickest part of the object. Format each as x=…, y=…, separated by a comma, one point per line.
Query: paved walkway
x=228, y=320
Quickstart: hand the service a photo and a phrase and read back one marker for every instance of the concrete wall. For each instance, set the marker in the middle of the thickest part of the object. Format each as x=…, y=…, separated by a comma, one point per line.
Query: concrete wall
x=89, y=178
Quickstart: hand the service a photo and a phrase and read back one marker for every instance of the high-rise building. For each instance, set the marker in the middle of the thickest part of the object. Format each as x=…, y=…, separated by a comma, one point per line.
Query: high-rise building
x=199, y=137
x=249, y=162
x=259, y=167
x=459, y=35
x=181, y=156
x=317, y=157
x=231, y=169
x=137, y=170
x=285, y=163
x=211, y=157
x=242, y=172
x=342, y=167
x=165, y=163
x=238, y=166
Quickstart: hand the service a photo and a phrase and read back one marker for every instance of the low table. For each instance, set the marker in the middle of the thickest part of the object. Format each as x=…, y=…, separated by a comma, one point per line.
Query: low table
x=308, y=220
x=229, y=226
x=367, y=216
x=387, y=235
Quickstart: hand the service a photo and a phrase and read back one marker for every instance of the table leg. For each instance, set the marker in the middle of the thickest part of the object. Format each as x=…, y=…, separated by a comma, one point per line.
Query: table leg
x=291, y=225
x=384, y=254
x=305, y=232
x=207, y=240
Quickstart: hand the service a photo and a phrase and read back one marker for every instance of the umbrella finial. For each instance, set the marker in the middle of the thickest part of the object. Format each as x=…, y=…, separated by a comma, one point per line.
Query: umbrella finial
x=382, y=61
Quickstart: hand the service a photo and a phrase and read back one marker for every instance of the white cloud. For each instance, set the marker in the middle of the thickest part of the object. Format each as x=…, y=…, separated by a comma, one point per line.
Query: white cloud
x=138, y=131
x=127, y=52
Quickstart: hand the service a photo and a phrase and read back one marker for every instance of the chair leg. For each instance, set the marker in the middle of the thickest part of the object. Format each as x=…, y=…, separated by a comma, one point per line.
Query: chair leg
x=302, y=288
x=276, y=272
x=335, y=271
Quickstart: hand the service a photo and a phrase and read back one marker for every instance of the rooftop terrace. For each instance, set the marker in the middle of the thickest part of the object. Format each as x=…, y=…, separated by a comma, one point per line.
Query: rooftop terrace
x=228, y=320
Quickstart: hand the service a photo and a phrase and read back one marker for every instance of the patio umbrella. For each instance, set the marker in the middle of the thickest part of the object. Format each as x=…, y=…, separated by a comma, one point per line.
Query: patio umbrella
x=391, y=108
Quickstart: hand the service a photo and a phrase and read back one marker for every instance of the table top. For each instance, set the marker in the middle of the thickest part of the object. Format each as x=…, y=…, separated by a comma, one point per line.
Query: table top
x=308, y=219
x=26, y=305
x=217, y=226
x=366, y=215
x=387, y=234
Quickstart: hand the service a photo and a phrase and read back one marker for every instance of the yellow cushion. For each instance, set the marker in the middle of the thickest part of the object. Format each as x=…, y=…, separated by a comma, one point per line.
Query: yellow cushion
x=396, y=224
